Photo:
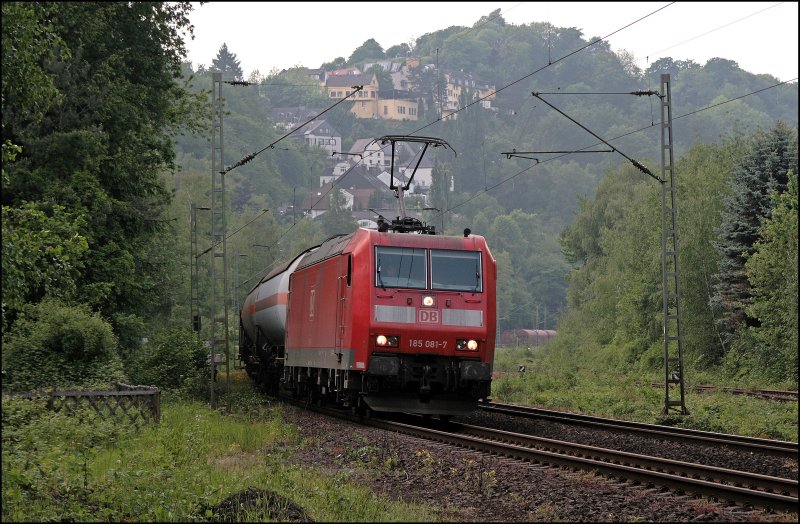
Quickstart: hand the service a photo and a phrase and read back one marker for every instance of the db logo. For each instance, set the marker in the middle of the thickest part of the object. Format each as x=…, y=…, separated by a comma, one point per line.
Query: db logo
x=429, y=316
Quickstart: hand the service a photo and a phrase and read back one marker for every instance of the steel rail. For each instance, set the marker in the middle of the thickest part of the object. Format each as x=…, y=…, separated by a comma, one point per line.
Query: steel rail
x=678, y=478
x=712, y=473
x=780, y=448
x=673, y=474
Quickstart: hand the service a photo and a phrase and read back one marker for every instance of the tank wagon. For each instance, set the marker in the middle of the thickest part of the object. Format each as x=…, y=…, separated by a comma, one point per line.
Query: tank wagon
x=526, y=337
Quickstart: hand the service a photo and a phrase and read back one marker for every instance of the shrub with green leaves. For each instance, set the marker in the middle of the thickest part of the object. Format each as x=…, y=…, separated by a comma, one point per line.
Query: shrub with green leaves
x=171, y=360
x=54, y=345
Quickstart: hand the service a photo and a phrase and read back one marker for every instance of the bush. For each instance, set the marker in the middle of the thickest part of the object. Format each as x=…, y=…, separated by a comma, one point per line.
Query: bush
x=53, y=345
x=173, y=359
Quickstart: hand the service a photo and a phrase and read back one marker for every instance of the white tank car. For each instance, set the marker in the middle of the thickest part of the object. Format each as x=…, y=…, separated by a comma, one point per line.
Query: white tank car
x=265, y=305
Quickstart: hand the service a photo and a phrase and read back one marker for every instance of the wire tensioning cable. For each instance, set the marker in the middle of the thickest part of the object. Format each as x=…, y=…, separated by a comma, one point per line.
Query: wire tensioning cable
x=251, y=156
x=638, y=165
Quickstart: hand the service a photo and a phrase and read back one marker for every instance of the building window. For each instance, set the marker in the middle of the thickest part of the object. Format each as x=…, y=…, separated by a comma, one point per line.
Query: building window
x=372, y=94
x=385, y=110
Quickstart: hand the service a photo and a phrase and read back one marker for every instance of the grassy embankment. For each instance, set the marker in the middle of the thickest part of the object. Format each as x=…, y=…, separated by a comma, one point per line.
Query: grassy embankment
x=600, y=390
x=57, y=468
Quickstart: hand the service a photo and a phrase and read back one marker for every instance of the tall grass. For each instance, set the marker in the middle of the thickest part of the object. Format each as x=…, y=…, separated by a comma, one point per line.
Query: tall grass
x=57, y=467
x=555, y=382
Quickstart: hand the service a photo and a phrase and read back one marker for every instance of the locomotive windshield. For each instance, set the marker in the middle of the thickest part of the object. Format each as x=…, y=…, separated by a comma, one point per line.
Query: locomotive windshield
x=456, y=270
x=400, y=267
x=450, y=270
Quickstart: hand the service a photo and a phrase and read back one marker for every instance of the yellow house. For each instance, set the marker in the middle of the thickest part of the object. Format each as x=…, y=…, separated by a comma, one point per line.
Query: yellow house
x=397, y=109
x=368, y=102
x=342, y=85
x=456, y=83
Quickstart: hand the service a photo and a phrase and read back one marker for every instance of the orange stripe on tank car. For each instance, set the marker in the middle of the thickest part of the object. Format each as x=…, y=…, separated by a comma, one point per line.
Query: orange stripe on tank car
x=278, y=299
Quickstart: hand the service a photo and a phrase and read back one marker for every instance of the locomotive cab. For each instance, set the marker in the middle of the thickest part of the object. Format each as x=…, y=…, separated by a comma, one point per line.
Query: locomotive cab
x=430, y=341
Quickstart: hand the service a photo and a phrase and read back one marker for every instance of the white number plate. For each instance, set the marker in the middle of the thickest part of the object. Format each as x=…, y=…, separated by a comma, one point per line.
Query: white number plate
x=421, y=343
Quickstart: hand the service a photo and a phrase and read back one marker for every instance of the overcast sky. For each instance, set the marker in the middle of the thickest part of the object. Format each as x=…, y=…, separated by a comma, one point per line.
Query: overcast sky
x=762, y=37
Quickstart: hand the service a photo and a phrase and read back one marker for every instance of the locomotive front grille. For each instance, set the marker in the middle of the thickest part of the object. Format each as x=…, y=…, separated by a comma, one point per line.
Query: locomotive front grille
x=462, y=317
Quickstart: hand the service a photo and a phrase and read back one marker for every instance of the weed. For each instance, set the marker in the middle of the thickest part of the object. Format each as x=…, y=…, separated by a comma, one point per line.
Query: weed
x=426, y=461
x=548, y=513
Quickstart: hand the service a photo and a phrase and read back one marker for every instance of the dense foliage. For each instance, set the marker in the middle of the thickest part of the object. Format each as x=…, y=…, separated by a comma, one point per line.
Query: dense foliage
x=615, y=291
x=173, y=359
x=54, y=346
x=764, y=169
x=772, y=272
x=95, y=136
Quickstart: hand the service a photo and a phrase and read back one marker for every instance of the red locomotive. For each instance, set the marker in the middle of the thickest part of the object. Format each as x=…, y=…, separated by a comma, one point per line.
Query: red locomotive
x=394, y=319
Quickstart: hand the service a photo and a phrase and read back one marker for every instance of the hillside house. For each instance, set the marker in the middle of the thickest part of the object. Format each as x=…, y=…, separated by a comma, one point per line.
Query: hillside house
x=340, y=86
x=371, y=102
x=320, y=133
x=358, y=185
x=287, y=118
x=457, y=83
x=372, y=153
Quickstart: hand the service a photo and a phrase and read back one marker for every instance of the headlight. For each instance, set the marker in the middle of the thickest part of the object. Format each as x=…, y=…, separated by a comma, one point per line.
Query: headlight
x=391, y=341
x=466, y=345
x=427, y=301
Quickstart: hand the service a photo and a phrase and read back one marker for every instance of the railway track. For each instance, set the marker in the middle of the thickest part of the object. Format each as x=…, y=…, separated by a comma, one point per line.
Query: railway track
x=771, y=394
x=778, y=448
x=738, y=487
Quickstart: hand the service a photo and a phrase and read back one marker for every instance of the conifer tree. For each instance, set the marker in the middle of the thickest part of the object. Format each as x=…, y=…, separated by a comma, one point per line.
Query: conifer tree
x=763, y=170
x=226, y=62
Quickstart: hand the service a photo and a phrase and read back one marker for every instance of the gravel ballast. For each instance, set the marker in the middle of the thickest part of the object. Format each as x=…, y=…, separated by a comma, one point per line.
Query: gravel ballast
x=467, y=486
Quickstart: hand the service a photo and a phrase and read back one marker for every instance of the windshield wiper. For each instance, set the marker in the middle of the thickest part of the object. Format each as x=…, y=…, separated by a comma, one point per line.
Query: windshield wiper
x=380, y=280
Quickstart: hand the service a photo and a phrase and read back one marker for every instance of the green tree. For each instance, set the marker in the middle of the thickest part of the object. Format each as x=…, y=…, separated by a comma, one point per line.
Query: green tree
x=171, y=359
x=29, y=39
x=772, y=272
x=226, y=62
x=102, y=150
x=384, y=78
x=43, y=255
x=614, y=290
x=422, y=80
x=337, y=63
x=398, y=51
x=337, y=219
x=369, y=50
x=764, y=169
x=702, y=185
